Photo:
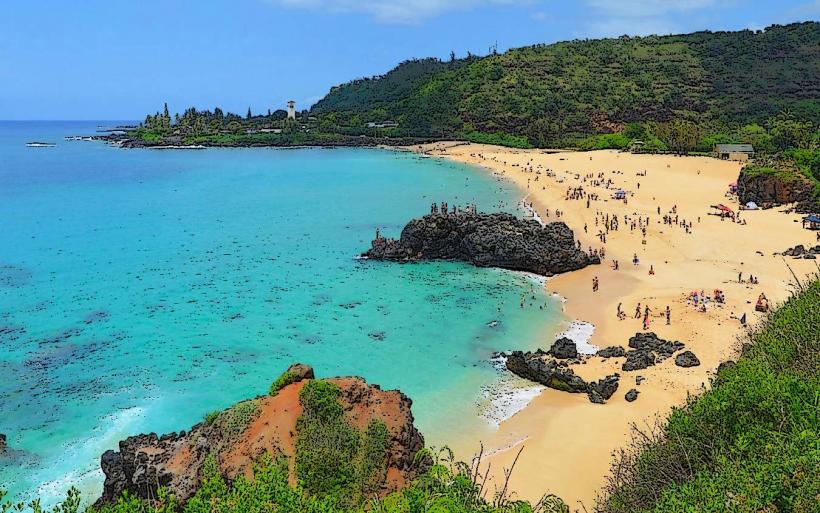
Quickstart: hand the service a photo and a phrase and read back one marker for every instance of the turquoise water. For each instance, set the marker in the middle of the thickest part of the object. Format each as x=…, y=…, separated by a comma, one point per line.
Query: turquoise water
x=141, y=289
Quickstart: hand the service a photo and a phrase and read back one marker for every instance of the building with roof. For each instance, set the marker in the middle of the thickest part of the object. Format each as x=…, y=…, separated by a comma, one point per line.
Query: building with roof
x=738, y=152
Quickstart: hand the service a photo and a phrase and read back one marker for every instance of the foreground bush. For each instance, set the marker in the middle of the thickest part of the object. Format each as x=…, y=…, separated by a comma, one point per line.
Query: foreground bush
x=750, y=444
x=338, y=470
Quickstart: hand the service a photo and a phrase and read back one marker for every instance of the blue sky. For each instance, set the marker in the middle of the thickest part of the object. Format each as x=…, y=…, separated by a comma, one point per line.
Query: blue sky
x=118, y=59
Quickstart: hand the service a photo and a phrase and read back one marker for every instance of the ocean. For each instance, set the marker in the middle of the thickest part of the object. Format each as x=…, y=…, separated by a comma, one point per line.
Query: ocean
x=141, y=289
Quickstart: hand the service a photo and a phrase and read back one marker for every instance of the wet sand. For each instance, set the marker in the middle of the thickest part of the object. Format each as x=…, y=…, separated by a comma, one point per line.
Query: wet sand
x=568, y=441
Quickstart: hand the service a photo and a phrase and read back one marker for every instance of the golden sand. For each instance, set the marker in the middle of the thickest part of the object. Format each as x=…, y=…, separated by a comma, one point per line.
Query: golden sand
x=568, y=441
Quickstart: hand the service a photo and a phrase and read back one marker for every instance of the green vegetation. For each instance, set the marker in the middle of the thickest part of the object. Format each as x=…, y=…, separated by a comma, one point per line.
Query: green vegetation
x=211, y=417
x=499, y=139
x=235, y=419
x=750, y=444
x=339, y=470
x=561, y=93
x=682, y=93
x=287, y=378
x=333, y=458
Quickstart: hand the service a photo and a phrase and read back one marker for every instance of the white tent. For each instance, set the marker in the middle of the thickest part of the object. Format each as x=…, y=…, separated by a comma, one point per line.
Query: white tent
x=751, y=206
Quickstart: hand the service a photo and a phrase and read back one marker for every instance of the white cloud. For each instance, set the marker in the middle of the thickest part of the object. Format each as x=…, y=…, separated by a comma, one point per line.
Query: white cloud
x=396, y=11
x=641, y=17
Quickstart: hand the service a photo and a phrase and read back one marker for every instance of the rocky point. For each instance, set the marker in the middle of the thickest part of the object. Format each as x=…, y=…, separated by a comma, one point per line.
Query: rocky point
x=485, y=240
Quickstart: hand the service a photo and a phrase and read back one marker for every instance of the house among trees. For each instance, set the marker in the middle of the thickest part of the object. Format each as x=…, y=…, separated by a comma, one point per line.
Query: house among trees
x=738, y=152
x=383, y=124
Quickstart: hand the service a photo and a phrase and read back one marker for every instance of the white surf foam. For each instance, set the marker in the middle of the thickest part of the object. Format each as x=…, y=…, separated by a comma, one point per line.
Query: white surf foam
x=507, y=396
x=581, y=332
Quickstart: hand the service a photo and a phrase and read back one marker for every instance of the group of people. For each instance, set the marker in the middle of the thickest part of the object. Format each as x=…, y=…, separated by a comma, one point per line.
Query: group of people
x=443, y=208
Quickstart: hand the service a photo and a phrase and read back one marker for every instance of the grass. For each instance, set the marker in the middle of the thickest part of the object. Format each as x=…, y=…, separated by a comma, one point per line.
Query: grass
x=750, y=444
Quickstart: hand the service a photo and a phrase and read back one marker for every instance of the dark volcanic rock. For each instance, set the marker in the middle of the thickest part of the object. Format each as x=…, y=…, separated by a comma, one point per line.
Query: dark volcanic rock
x=547, y=371
x=728, y=364
x=612, y=352
x=766, y=189
x=603, y=388
x=638, y=359
x=486, y=240
x=564, y=348
x=648, y=350
x=300, y=372
x=650, y=341
x=2, y=442
x=145, y=463
x=687, y=359
x=631, y=395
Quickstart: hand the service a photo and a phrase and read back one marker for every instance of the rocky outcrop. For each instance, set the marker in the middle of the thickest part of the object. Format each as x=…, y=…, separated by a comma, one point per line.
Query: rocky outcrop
x=631, y=396
x=300, y=372
x=687, y=359
x=600, y=391
x=612, y=352
x=2, y=443
x=144, y=463
x=541, y=367
x=800, y=251
x=647, y=350
x=563, y=349
x=775, y=182
x=486, y=240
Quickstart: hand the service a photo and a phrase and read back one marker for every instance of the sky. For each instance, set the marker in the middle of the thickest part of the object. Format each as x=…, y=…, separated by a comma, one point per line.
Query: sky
x=120, y=59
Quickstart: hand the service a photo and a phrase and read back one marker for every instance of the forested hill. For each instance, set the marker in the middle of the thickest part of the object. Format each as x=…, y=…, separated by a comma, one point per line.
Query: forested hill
x=553, y=92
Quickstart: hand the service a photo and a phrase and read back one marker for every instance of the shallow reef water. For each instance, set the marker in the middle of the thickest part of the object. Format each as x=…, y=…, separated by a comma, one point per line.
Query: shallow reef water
x=141, y=289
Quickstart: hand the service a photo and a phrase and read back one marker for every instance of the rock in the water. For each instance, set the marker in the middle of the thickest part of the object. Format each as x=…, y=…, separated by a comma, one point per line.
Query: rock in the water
x=631, y=395
x=2, y=442
x=612, y=352
x=145, y=463
x=564, y=348
x=541, y=368
x=687, y=359
x=603, y=388
x=486, y=240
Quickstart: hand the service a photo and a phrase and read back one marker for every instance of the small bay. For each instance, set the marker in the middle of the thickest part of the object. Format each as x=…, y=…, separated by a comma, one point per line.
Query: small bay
x=141, y=289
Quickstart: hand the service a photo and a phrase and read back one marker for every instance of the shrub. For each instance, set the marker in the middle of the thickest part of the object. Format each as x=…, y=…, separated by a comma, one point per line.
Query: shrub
x=287, y=378
x=211, y=417
x=236, y=419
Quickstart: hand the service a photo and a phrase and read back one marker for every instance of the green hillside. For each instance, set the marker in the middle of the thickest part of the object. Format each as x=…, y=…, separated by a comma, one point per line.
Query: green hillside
x=550, y=93
x=750, y=444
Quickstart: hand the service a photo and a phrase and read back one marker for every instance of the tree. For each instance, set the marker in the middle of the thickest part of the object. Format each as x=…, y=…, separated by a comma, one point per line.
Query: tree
x=249, y=115
x=681, y=136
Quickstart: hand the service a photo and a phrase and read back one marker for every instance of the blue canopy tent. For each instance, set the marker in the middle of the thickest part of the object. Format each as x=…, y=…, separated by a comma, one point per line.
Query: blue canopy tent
x=813, y=222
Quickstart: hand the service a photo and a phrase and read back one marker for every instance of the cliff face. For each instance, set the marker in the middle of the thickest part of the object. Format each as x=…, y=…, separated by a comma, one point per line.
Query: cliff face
x=486, y=240
x=145, y=463
x=775, y=188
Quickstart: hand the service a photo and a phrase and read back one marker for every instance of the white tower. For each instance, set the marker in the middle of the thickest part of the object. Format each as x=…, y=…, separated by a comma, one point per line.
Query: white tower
x=291, y=109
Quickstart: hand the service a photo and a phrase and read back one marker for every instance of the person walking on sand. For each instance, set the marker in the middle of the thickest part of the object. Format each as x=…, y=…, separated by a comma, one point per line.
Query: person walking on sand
x=668, y=316
x=651, y=270
x=635, y=260
x=619, y=313
x=638, y=311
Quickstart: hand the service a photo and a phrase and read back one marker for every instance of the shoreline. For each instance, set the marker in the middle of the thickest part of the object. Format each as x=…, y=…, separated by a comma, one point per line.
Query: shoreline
x=568, y=441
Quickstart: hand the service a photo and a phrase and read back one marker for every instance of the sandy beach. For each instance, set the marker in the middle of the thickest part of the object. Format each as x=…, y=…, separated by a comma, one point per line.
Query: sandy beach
x=568, y=441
